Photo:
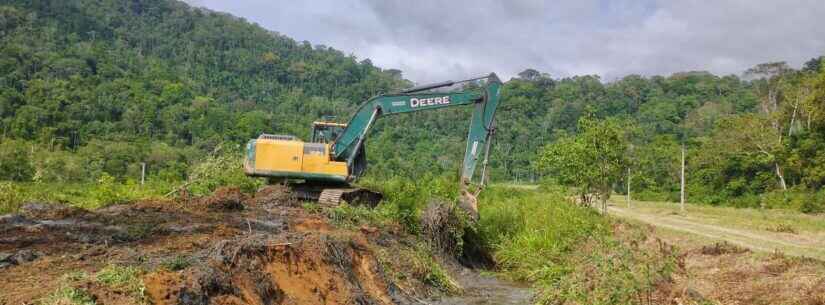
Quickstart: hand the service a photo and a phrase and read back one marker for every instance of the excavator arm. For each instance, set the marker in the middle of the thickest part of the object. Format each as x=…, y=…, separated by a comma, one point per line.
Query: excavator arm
x=482, y=125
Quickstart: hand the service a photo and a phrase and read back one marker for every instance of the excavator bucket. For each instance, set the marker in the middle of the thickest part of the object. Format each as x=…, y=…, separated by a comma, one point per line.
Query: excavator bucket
x=468, y=201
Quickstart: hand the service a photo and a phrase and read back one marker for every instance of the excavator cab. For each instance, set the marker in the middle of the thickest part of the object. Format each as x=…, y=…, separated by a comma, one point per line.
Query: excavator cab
x=326, y=131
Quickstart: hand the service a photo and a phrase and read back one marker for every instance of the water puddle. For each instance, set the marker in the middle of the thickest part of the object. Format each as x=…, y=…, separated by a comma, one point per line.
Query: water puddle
x=486, y=289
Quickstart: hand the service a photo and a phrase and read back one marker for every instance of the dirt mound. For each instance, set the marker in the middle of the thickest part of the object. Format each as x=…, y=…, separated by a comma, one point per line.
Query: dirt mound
x=48, y=211
x=447, y=228
x=17, y=258
x=261, y=269
x=216, y=251
x=225, y=199
x=724, y=247
x=274, y=195
x=444, y=224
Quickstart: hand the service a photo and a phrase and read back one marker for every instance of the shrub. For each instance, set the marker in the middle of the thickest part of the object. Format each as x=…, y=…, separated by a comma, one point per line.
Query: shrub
x=11, y=197
x=404, y=199
x=107, y=191
x=814, y=204
x=15, y=163
x=222, y=168
x=59, y=167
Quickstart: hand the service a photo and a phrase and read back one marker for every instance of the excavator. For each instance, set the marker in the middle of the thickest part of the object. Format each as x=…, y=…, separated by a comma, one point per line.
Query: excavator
x=324, y=168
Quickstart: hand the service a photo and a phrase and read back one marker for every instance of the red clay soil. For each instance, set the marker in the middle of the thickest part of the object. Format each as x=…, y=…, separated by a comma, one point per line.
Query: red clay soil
x=237, y=250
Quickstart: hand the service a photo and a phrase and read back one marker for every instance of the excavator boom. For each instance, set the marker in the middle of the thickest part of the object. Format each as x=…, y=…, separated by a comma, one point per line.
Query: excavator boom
x=481, y=129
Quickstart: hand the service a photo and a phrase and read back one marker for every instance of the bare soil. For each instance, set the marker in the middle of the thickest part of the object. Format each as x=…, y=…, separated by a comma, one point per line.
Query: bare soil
x=237, y=250
x=718, y=265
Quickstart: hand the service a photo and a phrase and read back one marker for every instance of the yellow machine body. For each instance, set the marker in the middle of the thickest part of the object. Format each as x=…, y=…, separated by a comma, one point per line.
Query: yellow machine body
x=288, y=157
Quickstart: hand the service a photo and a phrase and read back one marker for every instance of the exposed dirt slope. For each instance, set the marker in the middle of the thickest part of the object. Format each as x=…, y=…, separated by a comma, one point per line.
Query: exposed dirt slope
x=224, y=249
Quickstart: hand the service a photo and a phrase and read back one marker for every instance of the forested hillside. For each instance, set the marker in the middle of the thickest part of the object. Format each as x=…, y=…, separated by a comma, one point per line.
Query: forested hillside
x=94, y=88
x=121, y=82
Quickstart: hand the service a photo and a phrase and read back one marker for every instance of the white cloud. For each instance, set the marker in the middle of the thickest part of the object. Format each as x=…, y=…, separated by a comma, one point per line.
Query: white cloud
x=439, y=40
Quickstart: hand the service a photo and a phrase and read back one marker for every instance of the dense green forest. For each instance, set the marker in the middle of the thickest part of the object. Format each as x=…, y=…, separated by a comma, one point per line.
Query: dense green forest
x=92, y=89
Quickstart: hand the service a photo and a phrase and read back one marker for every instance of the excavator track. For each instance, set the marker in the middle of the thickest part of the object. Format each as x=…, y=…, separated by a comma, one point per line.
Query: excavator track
x=333, y=196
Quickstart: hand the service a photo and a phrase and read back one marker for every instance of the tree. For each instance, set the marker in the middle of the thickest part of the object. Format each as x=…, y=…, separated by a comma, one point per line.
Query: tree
x=529, y=74
x=769, y=141
x=541, y=79
x=753, y=134
x=15, y=163
x=593, y=160
x=813, y=65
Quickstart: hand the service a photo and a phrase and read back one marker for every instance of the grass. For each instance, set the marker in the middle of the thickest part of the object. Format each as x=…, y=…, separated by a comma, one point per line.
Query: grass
x=105, y=190
x=571, y=254
x=83, y=195
x=737, y=218
x=177, y=263
x=69, y=296
x=427, y=269
x=126, y=279
x=517, y=186
x=416, y=260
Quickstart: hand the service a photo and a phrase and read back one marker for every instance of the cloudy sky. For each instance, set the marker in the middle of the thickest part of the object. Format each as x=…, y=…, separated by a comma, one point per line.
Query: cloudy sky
x=440, y=40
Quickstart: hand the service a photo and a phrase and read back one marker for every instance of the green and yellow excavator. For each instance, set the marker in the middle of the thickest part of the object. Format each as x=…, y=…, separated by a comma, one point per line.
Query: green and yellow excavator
x=323, y=168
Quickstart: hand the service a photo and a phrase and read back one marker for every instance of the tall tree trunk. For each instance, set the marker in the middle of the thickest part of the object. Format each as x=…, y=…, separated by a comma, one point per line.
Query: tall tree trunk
x=781, y=176
x=682, y=189
x=604, y=205
x=793, y=117
x=628, y=187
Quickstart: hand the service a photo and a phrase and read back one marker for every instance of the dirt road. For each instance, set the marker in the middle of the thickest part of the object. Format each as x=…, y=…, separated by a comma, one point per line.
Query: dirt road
x=761, y=241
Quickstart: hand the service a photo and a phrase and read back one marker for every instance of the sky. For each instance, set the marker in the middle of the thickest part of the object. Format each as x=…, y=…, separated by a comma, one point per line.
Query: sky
x=450, y=40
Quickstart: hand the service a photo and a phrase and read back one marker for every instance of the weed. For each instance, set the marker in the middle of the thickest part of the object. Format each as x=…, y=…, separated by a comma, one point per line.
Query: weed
x=353, y=216
x=75, y=276
x=123, y=278
x=11, y=197
x=428, y=270
x=176, y=263
x=312, y=207
x=782, y=228
x=69, y=296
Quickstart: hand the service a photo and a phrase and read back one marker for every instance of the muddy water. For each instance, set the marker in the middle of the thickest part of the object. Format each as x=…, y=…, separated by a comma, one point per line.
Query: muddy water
x=485, y=289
